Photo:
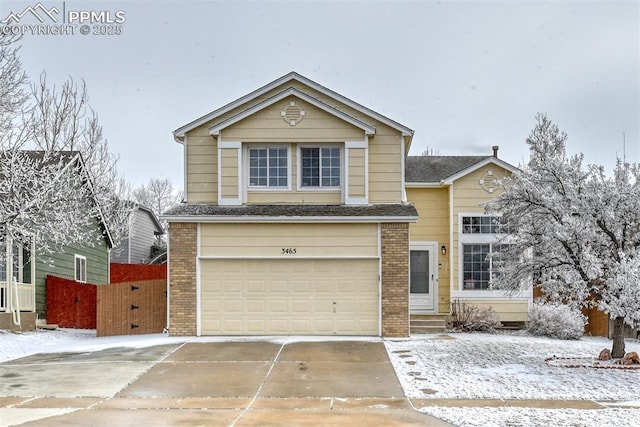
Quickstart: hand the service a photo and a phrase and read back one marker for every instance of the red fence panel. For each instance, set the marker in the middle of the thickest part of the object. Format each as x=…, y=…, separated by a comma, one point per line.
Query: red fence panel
x=71, y=304
x=130, y=272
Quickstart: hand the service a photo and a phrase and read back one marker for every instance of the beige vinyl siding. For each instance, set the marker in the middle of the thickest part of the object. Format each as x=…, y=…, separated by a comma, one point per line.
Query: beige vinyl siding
x=507, y=310
x=308, y=240
x=468, y=197
x=320, y=197
x=385, y=166
x=202, y=166
x=266, y=126
x=433, y=226
x=229, y=173
x=356, y=172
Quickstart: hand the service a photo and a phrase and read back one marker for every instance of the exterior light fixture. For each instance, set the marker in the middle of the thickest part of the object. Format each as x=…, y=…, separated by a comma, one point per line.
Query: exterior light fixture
x=443, y=250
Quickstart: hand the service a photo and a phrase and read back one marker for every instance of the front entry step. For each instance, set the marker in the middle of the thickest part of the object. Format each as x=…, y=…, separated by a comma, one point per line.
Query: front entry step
x=425, y=325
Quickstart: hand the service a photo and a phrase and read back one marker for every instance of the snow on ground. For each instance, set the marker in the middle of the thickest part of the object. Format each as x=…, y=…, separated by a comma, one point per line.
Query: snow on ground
x=455, y=366
x=513, y=366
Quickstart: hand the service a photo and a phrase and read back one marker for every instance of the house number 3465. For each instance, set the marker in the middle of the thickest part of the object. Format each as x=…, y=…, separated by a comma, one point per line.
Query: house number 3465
x=288, y=251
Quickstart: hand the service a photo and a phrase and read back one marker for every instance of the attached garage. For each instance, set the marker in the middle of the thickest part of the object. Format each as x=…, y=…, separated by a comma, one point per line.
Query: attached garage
x=289, y=279
x=290, y=270
x=290, y=296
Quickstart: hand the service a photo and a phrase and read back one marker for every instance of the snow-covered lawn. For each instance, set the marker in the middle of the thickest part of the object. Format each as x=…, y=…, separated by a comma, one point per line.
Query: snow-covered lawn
x=453, y=366
x=514, y=366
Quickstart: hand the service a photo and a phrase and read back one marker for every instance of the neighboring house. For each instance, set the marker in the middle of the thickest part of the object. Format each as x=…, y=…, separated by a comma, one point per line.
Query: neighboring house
x=86, y=264
x=297, y=220
x=452, y=238
x=137, y=247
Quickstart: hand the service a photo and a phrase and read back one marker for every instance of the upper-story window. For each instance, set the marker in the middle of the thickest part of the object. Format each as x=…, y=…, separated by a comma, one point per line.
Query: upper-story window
x=80, y=268
x=268, y=167
x=320, y=167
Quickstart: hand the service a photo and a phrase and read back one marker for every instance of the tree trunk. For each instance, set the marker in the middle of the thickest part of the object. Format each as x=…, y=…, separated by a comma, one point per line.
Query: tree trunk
x=618, y=338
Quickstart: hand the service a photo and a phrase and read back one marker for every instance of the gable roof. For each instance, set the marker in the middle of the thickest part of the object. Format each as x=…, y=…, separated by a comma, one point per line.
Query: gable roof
x=440, y=170
x=215, y=130
x=179, y=133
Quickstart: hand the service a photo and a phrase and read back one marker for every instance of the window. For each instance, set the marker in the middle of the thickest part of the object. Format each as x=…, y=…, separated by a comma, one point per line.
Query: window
x=320, y=167
x=268, y=167
x=81, y=269
x=16, y=263
x=479, y=239
x=483, y=225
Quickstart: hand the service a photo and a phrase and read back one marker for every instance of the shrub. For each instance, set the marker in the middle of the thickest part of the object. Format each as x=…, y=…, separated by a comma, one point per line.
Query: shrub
x=470, y=318
x=556, y=321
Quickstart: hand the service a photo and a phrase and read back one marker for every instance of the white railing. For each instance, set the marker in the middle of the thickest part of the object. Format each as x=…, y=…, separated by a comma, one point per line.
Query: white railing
x=26, y=297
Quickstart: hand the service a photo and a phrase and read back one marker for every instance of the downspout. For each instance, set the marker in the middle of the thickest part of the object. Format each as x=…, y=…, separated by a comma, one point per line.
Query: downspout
x=13, y=298
x=32, y=256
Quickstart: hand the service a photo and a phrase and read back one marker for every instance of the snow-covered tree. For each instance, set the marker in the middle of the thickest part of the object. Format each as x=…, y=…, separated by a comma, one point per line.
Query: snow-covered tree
x=45, y=199
x=62, y=120
x=48, y=195
x=13, y=93
x=157, y=195
x=573, y=230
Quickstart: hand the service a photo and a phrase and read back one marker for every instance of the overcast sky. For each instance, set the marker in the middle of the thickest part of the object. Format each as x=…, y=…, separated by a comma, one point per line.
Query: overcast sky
x=464, y=75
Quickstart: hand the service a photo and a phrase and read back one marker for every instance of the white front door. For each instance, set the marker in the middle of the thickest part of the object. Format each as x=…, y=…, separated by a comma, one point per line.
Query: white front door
x=423, y=278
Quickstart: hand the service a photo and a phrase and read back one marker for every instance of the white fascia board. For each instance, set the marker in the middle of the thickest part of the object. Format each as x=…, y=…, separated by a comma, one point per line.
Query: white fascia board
x=361, y=108
x=425, y=184
x=474, y=167
x=179, y=133
x=279, y=219
x=368, y=129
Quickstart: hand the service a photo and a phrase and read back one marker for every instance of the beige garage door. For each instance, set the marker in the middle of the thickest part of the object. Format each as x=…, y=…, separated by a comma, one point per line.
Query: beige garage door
x=289, y=296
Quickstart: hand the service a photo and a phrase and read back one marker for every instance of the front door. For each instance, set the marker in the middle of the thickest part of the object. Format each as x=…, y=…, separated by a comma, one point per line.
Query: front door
x=422, y=280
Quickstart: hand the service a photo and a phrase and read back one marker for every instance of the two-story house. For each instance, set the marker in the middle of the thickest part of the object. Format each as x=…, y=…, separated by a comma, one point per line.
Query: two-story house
x=295, y=221
x=301, y=217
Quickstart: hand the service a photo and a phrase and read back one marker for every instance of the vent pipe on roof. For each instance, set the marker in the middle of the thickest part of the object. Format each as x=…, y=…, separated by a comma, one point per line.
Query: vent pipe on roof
x=495, y=149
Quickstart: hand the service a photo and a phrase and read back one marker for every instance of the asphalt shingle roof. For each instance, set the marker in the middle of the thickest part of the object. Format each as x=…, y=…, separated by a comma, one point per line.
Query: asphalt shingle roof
x=289, y=211
x=437, y=168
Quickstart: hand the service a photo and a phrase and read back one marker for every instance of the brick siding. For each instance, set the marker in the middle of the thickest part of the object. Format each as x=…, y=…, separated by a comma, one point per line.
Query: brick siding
x=182, y=276
x=395, y=279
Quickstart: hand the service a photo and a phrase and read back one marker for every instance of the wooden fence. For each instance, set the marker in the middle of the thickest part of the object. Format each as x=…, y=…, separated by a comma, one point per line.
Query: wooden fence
x=131, y=308
x=598, y=321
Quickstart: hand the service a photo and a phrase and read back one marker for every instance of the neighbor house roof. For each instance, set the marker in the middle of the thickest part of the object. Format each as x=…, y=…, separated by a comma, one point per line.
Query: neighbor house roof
x=291, y=77
x=275, y=213
x=438, y=170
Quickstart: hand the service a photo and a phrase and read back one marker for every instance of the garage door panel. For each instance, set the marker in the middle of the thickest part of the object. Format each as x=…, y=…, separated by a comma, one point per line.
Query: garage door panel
x=290, y=296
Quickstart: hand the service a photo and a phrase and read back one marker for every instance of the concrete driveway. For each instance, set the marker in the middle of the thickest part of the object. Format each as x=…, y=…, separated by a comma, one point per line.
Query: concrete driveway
x=209, y=384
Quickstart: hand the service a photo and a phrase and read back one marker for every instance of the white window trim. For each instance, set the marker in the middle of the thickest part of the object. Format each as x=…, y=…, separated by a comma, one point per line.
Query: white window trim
x=247, y=163
x=19, y=274
x=75, y=266
x=458, y=291
x=320, y=188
